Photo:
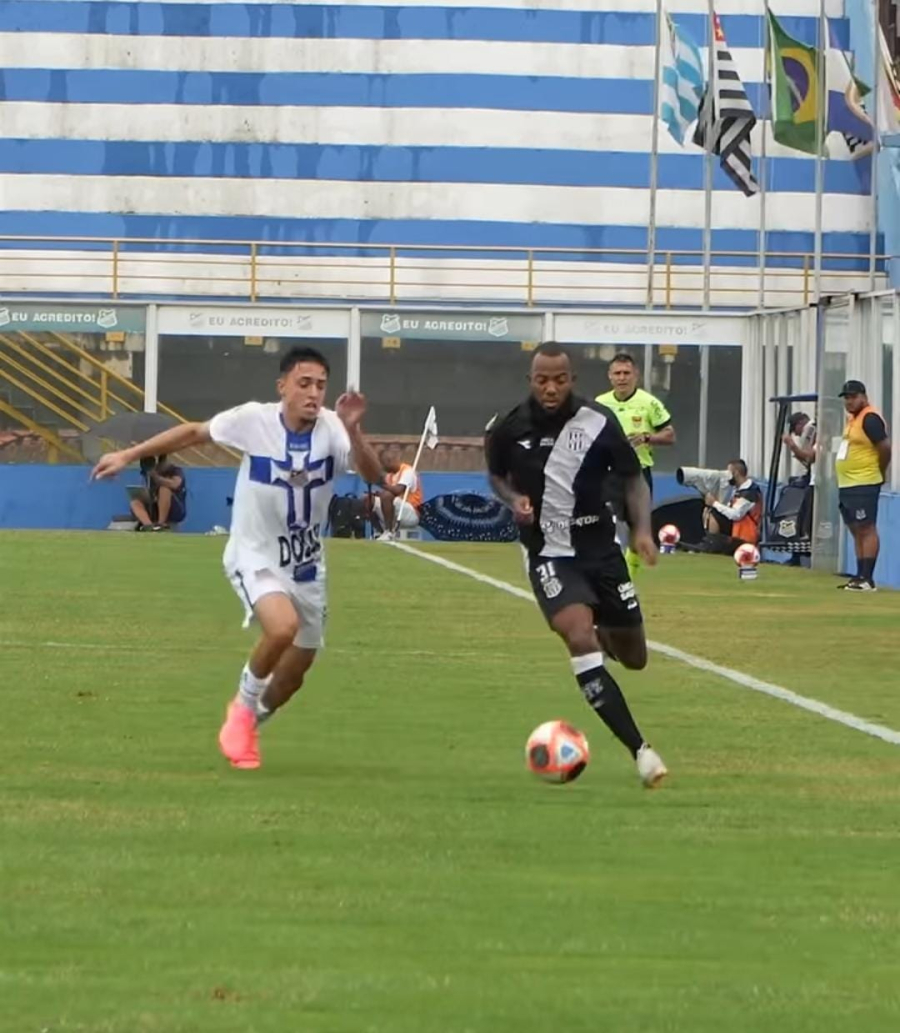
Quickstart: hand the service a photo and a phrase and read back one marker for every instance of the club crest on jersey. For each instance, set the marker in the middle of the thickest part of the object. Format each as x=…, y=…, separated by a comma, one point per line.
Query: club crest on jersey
x=525, y=442
x=551, y=586
x=298, y=478
x=576, y=439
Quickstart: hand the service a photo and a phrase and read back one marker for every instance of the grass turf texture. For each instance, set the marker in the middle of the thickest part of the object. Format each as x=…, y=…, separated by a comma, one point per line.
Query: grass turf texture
x=393, y=868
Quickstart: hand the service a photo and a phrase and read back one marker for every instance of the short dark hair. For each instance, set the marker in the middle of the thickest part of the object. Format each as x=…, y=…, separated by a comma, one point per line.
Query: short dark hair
x=623, y=357
x=740, y=464
x=795, y=420
x=294, y=356
x=552, y=349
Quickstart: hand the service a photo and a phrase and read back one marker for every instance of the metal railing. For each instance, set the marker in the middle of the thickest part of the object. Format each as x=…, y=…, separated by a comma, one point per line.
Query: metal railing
x=138, y=268
x=79, y=397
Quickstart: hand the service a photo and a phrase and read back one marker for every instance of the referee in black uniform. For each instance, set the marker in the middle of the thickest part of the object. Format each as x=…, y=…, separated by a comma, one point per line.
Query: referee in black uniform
x=552, y=460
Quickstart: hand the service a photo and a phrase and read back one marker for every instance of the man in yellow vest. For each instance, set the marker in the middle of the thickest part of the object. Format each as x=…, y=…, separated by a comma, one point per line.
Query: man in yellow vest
x=861, y=465
x=643, y=417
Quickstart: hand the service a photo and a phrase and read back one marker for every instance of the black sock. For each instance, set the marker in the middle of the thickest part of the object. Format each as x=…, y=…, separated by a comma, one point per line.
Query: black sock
x=865, y=568
x=600, y=690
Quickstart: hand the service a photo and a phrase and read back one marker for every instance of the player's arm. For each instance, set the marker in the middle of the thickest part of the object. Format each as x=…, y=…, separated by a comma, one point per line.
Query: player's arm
x=876, y=431
x=804, y=455
x=351, y=408
x=662, y=435
x=175, y=439
x=663, y=432
x=496, y=454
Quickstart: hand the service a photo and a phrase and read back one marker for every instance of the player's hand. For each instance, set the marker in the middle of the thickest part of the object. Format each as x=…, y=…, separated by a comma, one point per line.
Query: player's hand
x=710, y=499
x=522, y=510
x=351, y=407
x=786, y=438
x=109, y=465
x=644, y=545
x=637, y=439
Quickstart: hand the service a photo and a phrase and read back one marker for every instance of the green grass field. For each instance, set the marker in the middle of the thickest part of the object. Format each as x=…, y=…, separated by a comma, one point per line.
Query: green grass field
x=393, y=868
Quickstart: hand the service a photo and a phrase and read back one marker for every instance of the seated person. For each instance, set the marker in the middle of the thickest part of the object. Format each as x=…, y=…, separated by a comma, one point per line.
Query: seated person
x=163, y=500
x=728, y=526
x=801, y=440
x=386, y=508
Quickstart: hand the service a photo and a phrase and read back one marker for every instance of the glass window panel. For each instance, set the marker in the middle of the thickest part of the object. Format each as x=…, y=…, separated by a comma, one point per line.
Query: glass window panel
x=200, y=376
x=723, y=440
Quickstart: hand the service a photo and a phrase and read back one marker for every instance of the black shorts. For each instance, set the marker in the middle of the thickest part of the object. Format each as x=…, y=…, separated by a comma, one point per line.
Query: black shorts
x=602, y=583
x=859, y=503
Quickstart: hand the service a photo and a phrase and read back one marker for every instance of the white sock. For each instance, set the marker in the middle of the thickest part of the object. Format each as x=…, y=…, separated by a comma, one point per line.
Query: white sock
x=262, y=712
x=250, y=688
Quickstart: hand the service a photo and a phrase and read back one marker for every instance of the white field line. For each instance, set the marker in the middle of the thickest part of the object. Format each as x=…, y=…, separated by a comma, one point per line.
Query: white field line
x=746, y=681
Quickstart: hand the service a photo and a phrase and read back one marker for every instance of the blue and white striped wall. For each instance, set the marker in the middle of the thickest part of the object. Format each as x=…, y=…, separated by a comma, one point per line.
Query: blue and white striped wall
x=504, y=122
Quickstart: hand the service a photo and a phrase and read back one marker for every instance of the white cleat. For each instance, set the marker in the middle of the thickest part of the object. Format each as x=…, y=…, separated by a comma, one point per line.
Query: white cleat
x=385, y=536
x=650, y=766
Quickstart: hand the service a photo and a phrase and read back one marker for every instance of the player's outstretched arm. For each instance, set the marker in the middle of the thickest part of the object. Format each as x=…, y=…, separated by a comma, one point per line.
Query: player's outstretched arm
x=351, y=408
x=637, y=509
x=169, y=441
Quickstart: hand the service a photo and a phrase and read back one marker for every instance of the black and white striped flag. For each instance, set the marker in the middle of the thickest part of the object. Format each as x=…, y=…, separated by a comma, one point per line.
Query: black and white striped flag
x=731, y=120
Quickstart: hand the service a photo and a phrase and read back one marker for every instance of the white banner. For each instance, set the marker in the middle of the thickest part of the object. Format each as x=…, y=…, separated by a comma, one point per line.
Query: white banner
x=649, y=328
x=253, y=321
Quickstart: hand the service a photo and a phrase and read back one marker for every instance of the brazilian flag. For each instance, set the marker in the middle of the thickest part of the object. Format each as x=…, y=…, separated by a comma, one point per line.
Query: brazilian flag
x=796, y=91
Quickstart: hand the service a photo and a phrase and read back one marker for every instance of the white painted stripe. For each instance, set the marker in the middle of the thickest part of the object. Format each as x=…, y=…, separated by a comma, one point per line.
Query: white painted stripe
x=746, y=681
x=344, y=56
x=341, y=199
x=376, y=127
x=810, y=8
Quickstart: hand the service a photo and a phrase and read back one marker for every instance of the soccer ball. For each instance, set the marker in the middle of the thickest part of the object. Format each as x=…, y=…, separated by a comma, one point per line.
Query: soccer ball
x=746, y=555
x=669, y=535
x=557, y=752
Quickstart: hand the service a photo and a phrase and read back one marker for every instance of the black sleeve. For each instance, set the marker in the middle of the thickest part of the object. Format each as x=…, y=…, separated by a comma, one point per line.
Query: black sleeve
x=622, y=457
x=663, y=425
x=496, y=449
x=874, y=428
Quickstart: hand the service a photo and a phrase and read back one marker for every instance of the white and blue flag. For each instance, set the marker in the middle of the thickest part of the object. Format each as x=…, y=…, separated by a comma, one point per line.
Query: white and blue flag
x=682, y=80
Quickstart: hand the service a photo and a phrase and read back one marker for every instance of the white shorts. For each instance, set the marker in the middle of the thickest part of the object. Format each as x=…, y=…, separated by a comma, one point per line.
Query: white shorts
x=308, y=598
x=405, y=515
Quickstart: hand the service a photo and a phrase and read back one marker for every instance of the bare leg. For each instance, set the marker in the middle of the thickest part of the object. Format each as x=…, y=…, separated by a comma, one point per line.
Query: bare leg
x=280, y=623
x=139, y=508
x=288, y=676
x=387, y=510
x=163, y=504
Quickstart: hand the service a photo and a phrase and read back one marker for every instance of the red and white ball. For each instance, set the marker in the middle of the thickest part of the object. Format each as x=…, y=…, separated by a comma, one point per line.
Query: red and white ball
x=746, y=555
x=557, y=752
x=669, y=535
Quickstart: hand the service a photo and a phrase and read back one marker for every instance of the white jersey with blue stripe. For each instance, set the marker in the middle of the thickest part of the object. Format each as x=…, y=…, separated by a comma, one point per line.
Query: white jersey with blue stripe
x=284, y=488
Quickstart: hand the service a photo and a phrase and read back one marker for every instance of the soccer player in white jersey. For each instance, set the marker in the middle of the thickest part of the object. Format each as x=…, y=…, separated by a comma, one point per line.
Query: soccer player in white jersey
x=292, y=452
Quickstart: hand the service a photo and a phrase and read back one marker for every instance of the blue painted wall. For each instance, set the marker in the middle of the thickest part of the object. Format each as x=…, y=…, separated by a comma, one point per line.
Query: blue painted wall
x=62, y=498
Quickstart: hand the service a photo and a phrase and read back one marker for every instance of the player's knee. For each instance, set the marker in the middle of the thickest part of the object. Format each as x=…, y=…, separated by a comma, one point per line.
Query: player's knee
x=283, y=631
x=580, y=640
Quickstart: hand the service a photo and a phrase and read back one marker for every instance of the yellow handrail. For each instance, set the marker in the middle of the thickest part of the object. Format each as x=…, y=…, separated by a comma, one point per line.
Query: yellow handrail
x=10, y=343
x=46, y=385
x=44, y=432
x=41, y=400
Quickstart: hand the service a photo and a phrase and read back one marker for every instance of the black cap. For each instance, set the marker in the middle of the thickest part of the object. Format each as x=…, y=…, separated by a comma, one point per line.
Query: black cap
x=794, y=421
x=852, y=387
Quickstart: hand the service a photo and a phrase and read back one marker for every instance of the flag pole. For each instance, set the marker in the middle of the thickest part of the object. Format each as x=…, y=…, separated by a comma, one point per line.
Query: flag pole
x=876, y=141
x=766, y=115
x=429, y=419
x=820, y=148
x=708, y=157
x=703, y=415
x=654, y=157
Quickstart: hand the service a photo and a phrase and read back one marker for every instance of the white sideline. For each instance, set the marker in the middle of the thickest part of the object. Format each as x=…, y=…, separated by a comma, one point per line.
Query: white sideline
x=746, y=681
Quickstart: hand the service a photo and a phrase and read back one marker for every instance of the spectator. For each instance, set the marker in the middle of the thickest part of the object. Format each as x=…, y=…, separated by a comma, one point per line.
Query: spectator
x=801, y=440
x=163, y=500
x=728, y=526
x=387, y=507
x=861, y=465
